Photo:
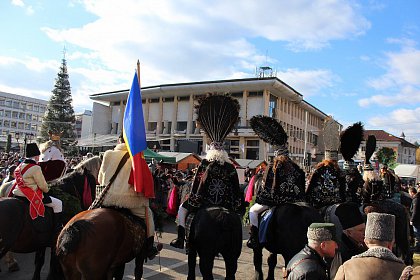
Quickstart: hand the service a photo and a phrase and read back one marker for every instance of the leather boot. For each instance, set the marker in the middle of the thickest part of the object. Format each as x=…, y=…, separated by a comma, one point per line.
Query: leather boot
x=179, y=241
x=416, y=245
x=151, y=249
x=253, y=238
x=58, y=222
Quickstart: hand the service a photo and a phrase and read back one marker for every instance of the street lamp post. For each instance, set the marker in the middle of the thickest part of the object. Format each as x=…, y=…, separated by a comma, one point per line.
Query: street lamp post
x=17, y=139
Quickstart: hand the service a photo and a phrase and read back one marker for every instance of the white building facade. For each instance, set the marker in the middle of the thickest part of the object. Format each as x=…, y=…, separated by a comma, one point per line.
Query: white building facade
x=20, y=116
x=83, y=125
x=170, y=121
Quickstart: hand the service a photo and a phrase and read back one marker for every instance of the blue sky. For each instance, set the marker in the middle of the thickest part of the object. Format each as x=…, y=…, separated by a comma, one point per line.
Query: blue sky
x=354, y=60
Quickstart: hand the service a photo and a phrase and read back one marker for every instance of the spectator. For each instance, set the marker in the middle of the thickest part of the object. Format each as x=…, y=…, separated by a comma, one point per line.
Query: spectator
x=378, y=262
x=415, y=217
x=309, y=262
x=353, y=234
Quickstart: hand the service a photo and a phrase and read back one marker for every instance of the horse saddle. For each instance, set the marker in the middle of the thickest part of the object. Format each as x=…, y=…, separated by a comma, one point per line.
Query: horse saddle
x=264, y=222
x=135, y=224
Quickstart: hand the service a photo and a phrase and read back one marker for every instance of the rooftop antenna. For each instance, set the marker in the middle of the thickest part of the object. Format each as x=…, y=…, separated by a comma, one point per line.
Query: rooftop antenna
x=265, y=71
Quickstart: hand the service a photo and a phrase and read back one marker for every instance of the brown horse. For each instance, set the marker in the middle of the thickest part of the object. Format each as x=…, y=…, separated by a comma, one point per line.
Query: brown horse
x=95, y=243
x=20, y=234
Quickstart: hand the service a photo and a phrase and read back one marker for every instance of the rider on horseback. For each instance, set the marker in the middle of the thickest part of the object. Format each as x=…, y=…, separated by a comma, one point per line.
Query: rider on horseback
x=216, y=181
x=51, y=159
x=122, y=194
x=283, y=180
x=350, y=141
x=30, y=183
x=327, y=184
x=373, y=186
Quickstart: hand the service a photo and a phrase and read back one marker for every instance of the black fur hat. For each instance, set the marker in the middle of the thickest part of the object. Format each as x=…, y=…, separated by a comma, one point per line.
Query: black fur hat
x=271, y=132
x=370, y=149
x=350, y=140
x=349, y=215
x=32, y=150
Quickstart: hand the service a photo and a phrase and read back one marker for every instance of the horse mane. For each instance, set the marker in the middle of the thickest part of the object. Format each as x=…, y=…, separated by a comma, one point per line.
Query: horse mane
x=70, y=237
x=91, y=164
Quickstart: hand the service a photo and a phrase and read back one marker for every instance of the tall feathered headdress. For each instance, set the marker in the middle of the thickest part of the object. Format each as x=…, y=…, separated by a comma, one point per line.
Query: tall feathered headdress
x=217, y=115
x=271, y=132
x=350, y=140
x=331, y=138
x=370, y=149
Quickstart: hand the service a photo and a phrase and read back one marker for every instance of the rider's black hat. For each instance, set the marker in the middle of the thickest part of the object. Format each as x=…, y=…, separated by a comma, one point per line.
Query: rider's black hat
x=32, y=150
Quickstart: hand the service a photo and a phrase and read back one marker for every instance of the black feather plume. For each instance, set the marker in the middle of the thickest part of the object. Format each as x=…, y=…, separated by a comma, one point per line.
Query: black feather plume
x=269, y=130
x=350, y=140
x=217, y=115
x=370, y=147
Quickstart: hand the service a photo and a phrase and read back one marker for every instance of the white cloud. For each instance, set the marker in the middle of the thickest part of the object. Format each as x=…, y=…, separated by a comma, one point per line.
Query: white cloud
x=18, y=3
x=187, y=41
x=308, y=82
x=400, y=120
x=29, y=10
x=408, y=95
x=400, y=84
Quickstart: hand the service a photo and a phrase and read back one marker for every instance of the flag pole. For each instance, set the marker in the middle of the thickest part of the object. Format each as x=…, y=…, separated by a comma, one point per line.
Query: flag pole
x=138, y=72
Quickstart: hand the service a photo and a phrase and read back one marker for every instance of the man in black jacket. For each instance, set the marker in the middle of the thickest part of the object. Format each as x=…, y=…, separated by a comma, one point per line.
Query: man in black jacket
x=309, y=262
x=353, y=234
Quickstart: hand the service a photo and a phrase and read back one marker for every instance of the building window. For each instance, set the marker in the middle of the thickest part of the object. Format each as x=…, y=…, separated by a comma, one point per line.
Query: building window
x=6, y=123
x=181, y=126
x=34, y=117
x=1, y=113
x=2, y=101
x=272, y=105
x=234, y=143
x=28, y=117
x=22, y=116
x=253, y=143
x=22, y=106
x=16, y=105
x=151, y=126
x=13, y=125
x=252, y=153
x=8, y=103
x=27, y=126
x=15, y=115
x=29, y=107
x=20, y=125
x=34, y=127
x=36, y=108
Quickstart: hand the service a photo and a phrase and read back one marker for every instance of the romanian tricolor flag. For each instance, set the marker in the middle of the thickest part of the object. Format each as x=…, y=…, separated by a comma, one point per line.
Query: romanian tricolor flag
x=135, y=138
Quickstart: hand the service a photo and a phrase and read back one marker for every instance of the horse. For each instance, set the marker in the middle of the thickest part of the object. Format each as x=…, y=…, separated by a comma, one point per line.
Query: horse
x=214, y=230
x=286, y=235
x=22, y=235
x=95, y=243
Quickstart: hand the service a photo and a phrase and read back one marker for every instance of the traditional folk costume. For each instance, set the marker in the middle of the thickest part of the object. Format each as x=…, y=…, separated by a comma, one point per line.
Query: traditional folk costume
x=350, y=141
x=216, y=180
x=283, y=180
x=327, y=185
x=122, y=193
x=30, y=183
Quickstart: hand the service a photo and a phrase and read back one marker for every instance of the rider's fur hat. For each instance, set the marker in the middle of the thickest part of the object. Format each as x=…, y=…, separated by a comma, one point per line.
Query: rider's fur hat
x=370, y=149
x=321, y=232
x=331, y=137
x=217, y=114
x=380, y=226
x=32, y=150
x=349, y=215
x=350, y=140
